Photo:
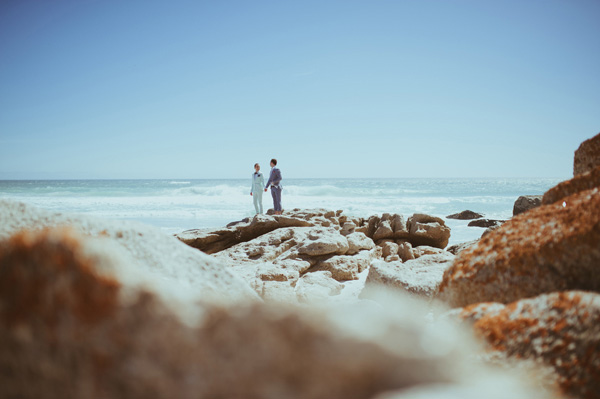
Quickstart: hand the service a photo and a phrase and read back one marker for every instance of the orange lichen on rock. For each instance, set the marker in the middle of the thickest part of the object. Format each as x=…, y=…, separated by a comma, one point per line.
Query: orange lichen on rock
x=582, y=182
x=550, y=248
x=587, y=156
x=44, y=275
x=560, y=329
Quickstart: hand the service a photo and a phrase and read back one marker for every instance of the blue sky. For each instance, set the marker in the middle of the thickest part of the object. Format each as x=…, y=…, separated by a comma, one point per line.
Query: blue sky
x=204, y=89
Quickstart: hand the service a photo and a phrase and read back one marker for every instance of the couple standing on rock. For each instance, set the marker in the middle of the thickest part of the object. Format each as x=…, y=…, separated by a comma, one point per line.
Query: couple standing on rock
x=274, y=181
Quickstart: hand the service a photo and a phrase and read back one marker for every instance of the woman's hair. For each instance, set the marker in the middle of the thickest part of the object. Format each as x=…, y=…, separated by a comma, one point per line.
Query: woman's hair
x=256, y=164
x=274, y=161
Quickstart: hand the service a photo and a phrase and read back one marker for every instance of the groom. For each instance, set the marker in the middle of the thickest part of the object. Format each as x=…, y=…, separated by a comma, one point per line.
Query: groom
x=274, y=181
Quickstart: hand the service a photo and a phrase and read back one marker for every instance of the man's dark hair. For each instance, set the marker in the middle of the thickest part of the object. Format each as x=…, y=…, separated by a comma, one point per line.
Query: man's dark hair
x=274, y=161
x=255, y=164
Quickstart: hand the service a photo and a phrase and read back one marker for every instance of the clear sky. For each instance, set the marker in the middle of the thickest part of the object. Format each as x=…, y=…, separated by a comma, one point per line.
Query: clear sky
x=204, y=89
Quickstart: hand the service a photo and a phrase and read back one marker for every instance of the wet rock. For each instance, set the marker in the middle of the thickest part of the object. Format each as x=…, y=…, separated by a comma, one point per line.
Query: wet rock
x=550, y=248
x=581, y=182
x=428, y=230
x=420, y=276
x=465, y=215
x=560, y=329
x=485, y=223
x=587, y=156
x=525, y=203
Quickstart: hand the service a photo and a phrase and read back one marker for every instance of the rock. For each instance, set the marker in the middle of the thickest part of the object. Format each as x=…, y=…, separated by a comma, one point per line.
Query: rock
x=345, y=267
x=560, y=329
x=145, y=253
x=272, y=272
x=405, y=250
x=384, y=230
x=348, y=228
x=358, y=242
x=316, y=287
x=428, y=230
x=323, y=242
x=277, y=292
x=389, y=249
x=419, y=276
x=426, y=250
x=73, y=326
x=549, y=248
x=213, y=241
x=490, y=229
x=399, y=227
x=456, y=248
x=525, y=203
x=465, y=215
x=587, y=156
x=485, y=223
x=581, y=182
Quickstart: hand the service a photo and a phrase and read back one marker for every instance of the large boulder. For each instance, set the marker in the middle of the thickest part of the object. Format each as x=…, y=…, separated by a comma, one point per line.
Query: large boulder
x=212, y=241
x=150, y=255
x=550, y=248
x=582, y=182
x=428, y=230
x=560, y=329
x=420, y=276
x=525, y=203
x=587, y=156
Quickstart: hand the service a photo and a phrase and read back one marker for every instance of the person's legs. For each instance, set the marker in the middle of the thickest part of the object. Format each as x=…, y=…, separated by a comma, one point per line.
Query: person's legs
x=277, y=200
x=255, y=199
x=259, y=199
x=274, y=195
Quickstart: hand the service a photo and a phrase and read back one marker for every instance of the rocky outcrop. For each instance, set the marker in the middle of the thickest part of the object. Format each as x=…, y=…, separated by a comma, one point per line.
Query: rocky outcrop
x=420, y=276
x=549, y=248
x=465, y=215
x=211, y=241
x=587, y=156
x=525, y=203
x=485, y=223
x=582, y=182
x=560, y=329
x=71, y=328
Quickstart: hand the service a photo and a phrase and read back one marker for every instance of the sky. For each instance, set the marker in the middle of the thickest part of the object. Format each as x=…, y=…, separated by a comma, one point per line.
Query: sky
x=371, y=89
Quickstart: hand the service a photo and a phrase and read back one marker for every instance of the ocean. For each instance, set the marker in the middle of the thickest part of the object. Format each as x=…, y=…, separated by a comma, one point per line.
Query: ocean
x=178, y=205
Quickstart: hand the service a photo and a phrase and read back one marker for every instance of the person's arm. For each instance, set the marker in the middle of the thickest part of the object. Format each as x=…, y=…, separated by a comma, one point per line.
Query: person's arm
x=269, y=181
x=262, y=180
x=252, y=186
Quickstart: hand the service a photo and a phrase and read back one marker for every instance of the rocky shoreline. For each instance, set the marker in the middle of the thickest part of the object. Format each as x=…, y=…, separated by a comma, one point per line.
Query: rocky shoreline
x=308, y=304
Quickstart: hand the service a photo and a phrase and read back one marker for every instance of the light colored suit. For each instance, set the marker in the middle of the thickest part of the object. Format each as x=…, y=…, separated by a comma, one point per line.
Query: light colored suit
x=258, y=182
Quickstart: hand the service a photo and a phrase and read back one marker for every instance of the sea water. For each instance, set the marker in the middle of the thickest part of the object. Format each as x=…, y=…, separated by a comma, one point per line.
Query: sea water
x=178, y=205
